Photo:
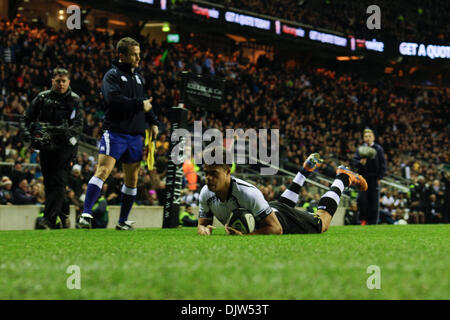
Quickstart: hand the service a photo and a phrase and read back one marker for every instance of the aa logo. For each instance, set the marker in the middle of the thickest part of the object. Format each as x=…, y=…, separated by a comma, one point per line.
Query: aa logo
x=73, y=17
x=374, y=281
x=74, y=280
x=374, y=20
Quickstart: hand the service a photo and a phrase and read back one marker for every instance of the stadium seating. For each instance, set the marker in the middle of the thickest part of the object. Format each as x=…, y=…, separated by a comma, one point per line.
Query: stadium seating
x=349, y=17
x=316, y=109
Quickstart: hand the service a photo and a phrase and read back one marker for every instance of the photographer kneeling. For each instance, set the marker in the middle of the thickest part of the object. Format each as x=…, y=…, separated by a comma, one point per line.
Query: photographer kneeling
x=52, y=124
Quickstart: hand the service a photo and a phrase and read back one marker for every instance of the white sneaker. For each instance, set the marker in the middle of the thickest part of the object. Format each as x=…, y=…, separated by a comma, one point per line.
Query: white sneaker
x=127, y=225
x=85, y=221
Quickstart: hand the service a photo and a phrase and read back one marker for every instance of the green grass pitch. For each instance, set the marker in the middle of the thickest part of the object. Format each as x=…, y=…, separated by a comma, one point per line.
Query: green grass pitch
x=413, y=261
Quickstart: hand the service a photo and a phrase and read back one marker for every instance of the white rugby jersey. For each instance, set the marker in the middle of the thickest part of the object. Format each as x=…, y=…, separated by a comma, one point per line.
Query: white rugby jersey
x=242, y=195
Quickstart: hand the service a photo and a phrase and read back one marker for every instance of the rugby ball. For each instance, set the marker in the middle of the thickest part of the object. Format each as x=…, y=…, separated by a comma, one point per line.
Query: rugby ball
x=242, y=220
x=367, y=152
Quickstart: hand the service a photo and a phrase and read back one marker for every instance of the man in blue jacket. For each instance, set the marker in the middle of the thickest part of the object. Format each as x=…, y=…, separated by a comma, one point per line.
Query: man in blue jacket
x=372, y=167
x=128, y=113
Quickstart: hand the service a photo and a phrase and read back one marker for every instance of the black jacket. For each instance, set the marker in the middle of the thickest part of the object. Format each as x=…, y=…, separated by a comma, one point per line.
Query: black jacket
x=54, y=108
x=21, y=197
x=124, y=93
x=374, y=167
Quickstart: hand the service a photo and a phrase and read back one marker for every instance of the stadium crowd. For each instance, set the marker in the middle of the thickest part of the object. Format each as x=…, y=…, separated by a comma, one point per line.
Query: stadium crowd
x=316, y=109
x=399, y=19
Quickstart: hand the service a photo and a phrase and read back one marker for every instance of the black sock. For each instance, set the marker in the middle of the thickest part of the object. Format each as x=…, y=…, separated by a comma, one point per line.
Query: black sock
x=305, y=172
x=344, y=178
x=330, y=200
x=291, y=195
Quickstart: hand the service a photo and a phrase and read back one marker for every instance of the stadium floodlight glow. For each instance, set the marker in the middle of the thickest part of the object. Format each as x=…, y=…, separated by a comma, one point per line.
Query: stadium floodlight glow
x=422, y=50
x=166, y=27
x=327, y=38
x=248, y=21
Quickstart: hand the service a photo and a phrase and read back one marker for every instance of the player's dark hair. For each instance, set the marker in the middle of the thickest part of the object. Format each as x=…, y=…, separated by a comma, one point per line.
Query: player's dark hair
x=124, y=45
x=60, y=72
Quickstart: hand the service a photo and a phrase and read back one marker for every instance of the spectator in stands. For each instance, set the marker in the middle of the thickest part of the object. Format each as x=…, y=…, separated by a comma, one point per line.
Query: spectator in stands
x=420, y=194
x=189, y=197
x=114, y=184
x=83, y=192
x=446, y=205
x=437, y=190
x=161, y=193
x=144, y=185
x=100, y=212
x=348, y=16
x=278, y=190
x=38, y=192
x=72, y=200
x=17, y=173
x=86, y=172
x=398, y=211
x=22, y=195
x=153, y=197
x=404, y=206
x=187, y=218
x=162, y=142
x=76, y=180
x=387, y=207
x=351, y=216
x=6, y=196
x=161, y=161
x=433, y=210
x=155, y=179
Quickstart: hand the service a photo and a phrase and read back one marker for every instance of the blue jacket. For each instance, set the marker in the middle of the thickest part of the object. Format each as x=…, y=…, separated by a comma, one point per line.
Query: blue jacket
x=124, y=93
x=374, y=167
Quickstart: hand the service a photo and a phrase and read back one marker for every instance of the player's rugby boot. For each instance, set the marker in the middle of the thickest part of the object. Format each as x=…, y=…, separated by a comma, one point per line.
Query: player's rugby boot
x=355, y=179
x=312, y=162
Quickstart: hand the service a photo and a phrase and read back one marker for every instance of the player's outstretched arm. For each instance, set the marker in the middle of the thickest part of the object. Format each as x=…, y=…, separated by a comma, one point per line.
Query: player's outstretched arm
x=270, y=225
x=205, y=226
